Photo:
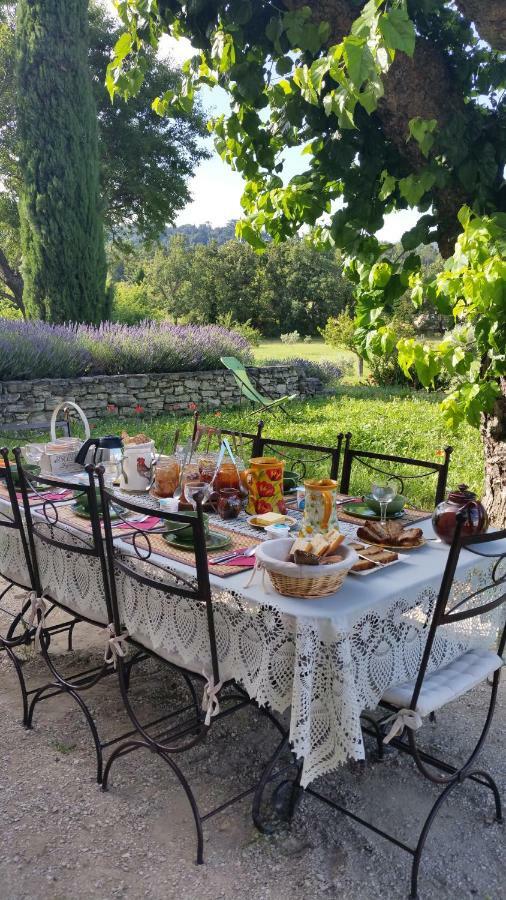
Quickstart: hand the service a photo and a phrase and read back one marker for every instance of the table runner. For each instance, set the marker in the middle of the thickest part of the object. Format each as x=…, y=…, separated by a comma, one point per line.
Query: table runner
x=325, y=660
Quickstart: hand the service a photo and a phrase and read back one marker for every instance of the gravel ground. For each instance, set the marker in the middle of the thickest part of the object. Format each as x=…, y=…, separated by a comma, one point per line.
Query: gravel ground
x=63, y=838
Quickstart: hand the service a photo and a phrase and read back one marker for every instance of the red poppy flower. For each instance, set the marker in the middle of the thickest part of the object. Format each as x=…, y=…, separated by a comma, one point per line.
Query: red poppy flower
x=138, y=408
x=274, y=474
x=282, y=507
x=262, y=506
x=265, y=489
x=192, y=406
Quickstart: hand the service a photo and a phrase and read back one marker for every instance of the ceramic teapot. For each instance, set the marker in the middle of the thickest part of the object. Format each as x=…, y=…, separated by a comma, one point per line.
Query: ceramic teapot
x=444, y=518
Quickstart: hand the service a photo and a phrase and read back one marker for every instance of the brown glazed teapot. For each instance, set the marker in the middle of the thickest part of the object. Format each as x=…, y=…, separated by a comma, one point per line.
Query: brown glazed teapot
x=444, y=518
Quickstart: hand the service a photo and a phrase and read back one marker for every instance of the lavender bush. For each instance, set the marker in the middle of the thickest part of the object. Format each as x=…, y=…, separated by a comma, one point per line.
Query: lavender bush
x=328, y=372
x=38, y=350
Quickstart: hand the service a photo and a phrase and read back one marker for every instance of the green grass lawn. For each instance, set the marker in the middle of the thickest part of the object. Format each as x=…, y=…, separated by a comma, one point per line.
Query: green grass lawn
x=391, y=420
x=316, y=351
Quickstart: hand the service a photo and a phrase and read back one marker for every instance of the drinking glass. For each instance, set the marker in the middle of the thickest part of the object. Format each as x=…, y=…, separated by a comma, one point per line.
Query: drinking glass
x=192, y=488
x=383, y=492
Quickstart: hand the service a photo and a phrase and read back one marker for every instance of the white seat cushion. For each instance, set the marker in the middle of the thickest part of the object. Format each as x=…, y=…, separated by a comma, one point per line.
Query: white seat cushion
x=447, y=683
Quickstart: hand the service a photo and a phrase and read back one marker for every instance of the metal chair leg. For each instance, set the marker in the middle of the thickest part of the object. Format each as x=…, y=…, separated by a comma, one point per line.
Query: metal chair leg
x=130, y=746
x=21, y=678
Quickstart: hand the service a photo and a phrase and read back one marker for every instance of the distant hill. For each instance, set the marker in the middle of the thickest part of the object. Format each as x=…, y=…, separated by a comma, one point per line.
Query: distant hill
x=201, y=234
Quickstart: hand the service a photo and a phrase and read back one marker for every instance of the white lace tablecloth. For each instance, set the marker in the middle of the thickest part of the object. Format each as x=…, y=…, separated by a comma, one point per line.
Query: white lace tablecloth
x=327, y=660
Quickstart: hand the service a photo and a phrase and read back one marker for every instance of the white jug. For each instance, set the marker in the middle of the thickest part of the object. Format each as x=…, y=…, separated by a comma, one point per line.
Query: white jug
x=137, y=467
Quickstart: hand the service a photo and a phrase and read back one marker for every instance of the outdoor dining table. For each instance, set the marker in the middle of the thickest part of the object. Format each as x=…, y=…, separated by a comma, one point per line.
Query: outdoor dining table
x=325, y=660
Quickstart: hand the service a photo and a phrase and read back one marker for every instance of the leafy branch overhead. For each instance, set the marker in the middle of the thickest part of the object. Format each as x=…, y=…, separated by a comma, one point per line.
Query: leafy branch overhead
x=393, y=104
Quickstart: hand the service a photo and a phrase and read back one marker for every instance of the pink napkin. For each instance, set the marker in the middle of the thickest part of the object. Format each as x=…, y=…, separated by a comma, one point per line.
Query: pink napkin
x=49, y=495
x=146, y=525
x=243, y=561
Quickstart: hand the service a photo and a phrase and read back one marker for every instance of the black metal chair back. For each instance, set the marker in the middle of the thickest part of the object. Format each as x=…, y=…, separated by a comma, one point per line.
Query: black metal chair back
x=12, y=520
x=245, y=444
x=305, y=460
x=373, y=462
x=143, y=567
x=449, y=611
x=44, y=522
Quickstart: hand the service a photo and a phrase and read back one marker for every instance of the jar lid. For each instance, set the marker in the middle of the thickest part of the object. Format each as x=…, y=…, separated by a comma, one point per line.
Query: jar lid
x=462, y=494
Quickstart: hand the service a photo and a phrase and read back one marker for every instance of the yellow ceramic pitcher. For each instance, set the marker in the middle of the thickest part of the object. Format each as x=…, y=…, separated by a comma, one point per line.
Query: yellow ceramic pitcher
x=320, y=514
x=264, y=480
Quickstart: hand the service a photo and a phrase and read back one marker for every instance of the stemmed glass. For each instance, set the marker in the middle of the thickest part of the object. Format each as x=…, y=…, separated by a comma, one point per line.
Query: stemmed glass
x=383, y=492
x=193, y=488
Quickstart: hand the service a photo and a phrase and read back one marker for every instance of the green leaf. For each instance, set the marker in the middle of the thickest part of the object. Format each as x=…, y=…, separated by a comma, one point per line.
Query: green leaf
x=244, y=230
x=284, y=65
x=413, y=187
x=398, y=30
x=380, y=274
x=123, y=46
x=387, y=186
x=422, y=130
x=358, y=59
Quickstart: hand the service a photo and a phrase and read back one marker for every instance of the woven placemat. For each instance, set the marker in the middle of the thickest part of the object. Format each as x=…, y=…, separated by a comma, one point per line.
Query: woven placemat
x=411, y=514
x=239, y=542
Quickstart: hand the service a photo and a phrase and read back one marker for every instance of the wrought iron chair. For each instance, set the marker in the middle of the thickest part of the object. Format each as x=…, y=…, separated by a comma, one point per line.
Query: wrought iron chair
x=305, y=460
x=373, y=462
x=22, y=629
x=45, y=529
x=141, y=567
x=411, y=703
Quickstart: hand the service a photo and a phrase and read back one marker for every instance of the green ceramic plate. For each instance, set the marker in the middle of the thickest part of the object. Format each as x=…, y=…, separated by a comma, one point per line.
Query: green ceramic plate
x=362, y=511
x=214, y=541
x=84, y=513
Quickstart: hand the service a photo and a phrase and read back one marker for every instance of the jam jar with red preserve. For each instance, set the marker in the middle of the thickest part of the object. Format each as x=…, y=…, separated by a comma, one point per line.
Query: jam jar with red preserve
x=444, y=518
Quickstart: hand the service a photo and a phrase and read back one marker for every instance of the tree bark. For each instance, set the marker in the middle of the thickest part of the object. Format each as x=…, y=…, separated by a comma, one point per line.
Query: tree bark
x=489, y=17
x=493, y=431
x=13, y=280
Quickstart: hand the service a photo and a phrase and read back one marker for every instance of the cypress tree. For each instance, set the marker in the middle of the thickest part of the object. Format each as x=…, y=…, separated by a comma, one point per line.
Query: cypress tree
x=62, y=236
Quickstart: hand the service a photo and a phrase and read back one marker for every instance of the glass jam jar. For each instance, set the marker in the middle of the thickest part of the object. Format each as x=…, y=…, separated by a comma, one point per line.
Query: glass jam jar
x=167, y=473
x=227, y=477
x=207, y=467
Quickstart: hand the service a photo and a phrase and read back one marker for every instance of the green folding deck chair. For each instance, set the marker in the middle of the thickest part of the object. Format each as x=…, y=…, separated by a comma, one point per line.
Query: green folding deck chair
x=250, y=392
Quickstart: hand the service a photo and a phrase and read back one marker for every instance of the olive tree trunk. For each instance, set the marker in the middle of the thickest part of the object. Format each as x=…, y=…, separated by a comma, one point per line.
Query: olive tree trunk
x=493, y=432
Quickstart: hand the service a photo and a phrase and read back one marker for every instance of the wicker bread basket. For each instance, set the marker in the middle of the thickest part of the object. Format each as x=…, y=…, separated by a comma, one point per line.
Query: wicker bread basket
x=307, y=582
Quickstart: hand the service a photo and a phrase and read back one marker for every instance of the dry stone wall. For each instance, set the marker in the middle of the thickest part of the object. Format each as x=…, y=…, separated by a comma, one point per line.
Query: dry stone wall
x=33, y=401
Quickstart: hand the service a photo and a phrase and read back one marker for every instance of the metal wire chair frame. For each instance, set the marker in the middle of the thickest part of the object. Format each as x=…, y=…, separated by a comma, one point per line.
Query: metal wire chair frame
x=362, y=457
x=452, y=776
x=181, y=738
x=15, y=638
x=326, y=453
x=41, y=525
